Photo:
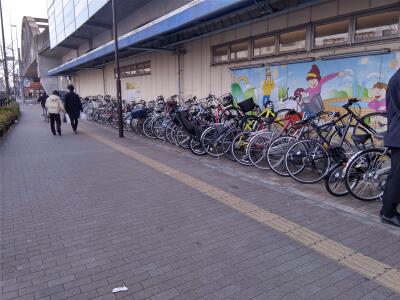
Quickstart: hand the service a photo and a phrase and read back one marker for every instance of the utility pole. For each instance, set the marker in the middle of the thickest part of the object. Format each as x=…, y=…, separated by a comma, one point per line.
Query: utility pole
x=13, y=63
x=117, y=70
x=4, y=54
x=18, y=74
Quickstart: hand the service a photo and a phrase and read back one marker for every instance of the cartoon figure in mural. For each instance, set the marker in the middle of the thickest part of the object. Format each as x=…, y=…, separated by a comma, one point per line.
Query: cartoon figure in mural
x=267, y=86
x=378, y=103
x=311, y=97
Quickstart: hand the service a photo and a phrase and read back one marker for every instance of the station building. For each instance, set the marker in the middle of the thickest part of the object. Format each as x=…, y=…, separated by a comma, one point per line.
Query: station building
x=258, y=48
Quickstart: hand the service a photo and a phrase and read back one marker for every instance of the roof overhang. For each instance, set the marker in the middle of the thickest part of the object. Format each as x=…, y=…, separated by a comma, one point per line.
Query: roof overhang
x=193, y=20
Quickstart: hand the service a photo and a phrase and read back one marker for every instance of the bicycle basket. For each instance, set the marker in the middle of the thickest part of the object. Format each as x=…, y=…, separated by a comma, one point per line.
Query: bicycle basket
x=247, y=105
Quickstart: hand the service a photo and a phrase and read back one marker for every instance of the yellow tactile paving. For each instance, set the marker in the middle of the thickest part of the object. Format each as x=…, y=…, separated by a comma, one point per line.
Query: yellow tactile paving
x=384, y=274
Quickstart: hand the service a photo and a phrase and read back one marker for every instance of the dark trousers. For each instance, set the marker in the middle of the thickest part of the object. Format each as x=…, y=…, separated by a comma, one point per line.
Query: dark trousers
x=55, y=118
x=391, y=197
x=74, y=122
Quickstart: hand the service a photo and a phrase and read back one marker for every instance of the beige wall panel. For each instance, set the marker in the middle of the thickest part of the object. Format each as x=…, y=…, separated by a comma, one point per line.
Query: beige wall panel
x=173, y=74
x=277, y=23
x=226, y=80
x=197, y=70
x=69, y=55
x=101, y=38
x=377, y=3
x=156, y=74
x=110, y=87
x=348, y=6
x=91, y=82
x=216, y=39
x=243, y=32
x=259, y=28
x=300, y=16
x=205, y=67
x=228, y=36
x=325, y=10
x=188, y=71
x=84, y=47
x=216, y=80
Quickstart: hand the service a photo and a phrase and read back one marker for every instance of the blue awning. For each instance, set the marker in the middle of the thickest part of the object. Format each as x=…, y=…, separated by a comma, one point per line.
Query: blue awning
x=193, y=11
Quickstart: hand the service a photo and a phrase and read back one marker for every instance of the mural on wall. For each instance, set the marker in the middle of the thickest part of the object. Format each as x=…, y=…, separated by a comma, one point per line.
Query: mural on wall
x=322, y=84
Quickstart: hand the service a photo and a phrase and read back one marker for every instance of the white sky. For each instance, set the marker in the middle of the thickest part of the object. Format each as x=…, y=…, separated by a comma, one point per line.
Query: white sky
x=15, y=10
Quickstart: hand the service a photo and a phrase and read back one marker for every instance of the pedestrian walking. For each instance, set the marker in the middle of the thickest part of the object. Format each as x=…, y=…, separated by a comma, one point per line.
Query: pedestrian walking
x=54, y=106
x=391, y=197
x=73, y=107
x=42, y=99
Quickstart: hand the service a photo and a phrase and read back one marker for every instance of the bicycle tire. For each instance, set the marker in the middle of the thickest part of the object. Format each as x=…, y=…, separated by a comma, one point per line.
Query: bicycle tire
x=276, y=153
x=334, y=181
x=301, y=159
x=147, y=128
x=239, y=150
x=182, y=138
x=227, y=142
x=258, y=149
x=357, y=176
x=158, y=128
x=209, y=135
x=377, y=121
x=196, y=147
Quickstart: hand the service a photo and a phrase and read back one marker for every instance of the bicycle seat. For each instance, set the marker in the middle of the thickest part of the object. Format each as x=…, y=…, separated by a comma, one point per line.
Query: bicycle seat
x=361, y=138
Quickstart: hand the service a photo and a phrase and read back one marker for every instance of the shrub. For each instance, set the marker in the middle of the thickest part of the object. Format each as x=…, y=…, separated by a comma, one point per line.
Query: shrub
x=8, y=114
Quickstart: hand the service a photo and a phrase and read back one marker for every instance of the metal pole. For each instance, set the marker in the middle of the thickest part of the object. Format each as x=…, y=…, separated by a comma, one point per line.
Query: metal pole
x=4, y=53
x=13, y=63
x=117, y=71
x=18, y=74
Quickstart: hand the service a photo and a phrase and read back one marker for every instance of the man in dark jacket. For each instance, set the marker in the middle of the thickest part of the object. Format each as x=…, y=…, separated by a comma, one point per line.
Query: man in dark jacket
x=391, y=197
x=73, y=106
x=42, y=99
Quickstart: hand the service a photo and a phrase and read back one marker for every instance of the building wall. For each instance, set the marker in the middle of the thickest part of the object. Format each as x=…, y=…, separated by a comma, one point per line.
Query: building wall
x=199, y=77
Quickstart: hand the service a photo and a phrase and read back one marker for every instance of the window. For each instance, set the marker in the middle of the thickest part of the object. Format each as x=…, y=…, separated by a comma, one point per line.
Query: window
x=377, y=26
x=220, y=54
x=239, y=50
x=330, y=34
x=264, y=45
x=293, y=40
x=143, y=68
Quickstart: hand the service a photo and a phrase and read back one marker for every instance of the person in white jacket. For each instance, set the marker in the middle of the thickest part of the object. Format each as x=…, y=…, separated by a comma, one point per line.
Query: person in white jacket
x=54, y=106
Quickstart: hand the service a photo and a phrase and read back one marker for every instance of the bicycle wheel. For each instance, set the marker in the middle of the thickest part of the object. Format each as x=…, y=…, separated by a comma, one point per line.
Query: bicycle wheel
x=227, y=142
x=139, y=125
x=211, y=141
x=196, y=147
x=366, y=174
x=147, y=128
x=335, y=183
x=113, y=121
x=158, y=128
x=348, y=142
x=276, y=153
x=258, y=149
x=240, y=148
x=182, y=138
x=307, y=161
x=377, y=121
x=169, y=132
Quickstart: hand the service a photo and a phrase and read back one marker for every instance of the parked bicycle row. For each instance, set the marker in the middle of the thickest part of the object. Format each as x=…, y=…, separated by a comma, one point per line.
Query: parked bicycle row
x=342, y=148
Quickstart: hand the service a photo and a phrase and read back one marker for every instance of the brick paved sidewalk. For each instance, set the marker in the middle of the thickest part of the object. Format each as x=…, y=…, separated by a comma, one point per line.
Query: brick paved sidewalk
x=79, y=217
